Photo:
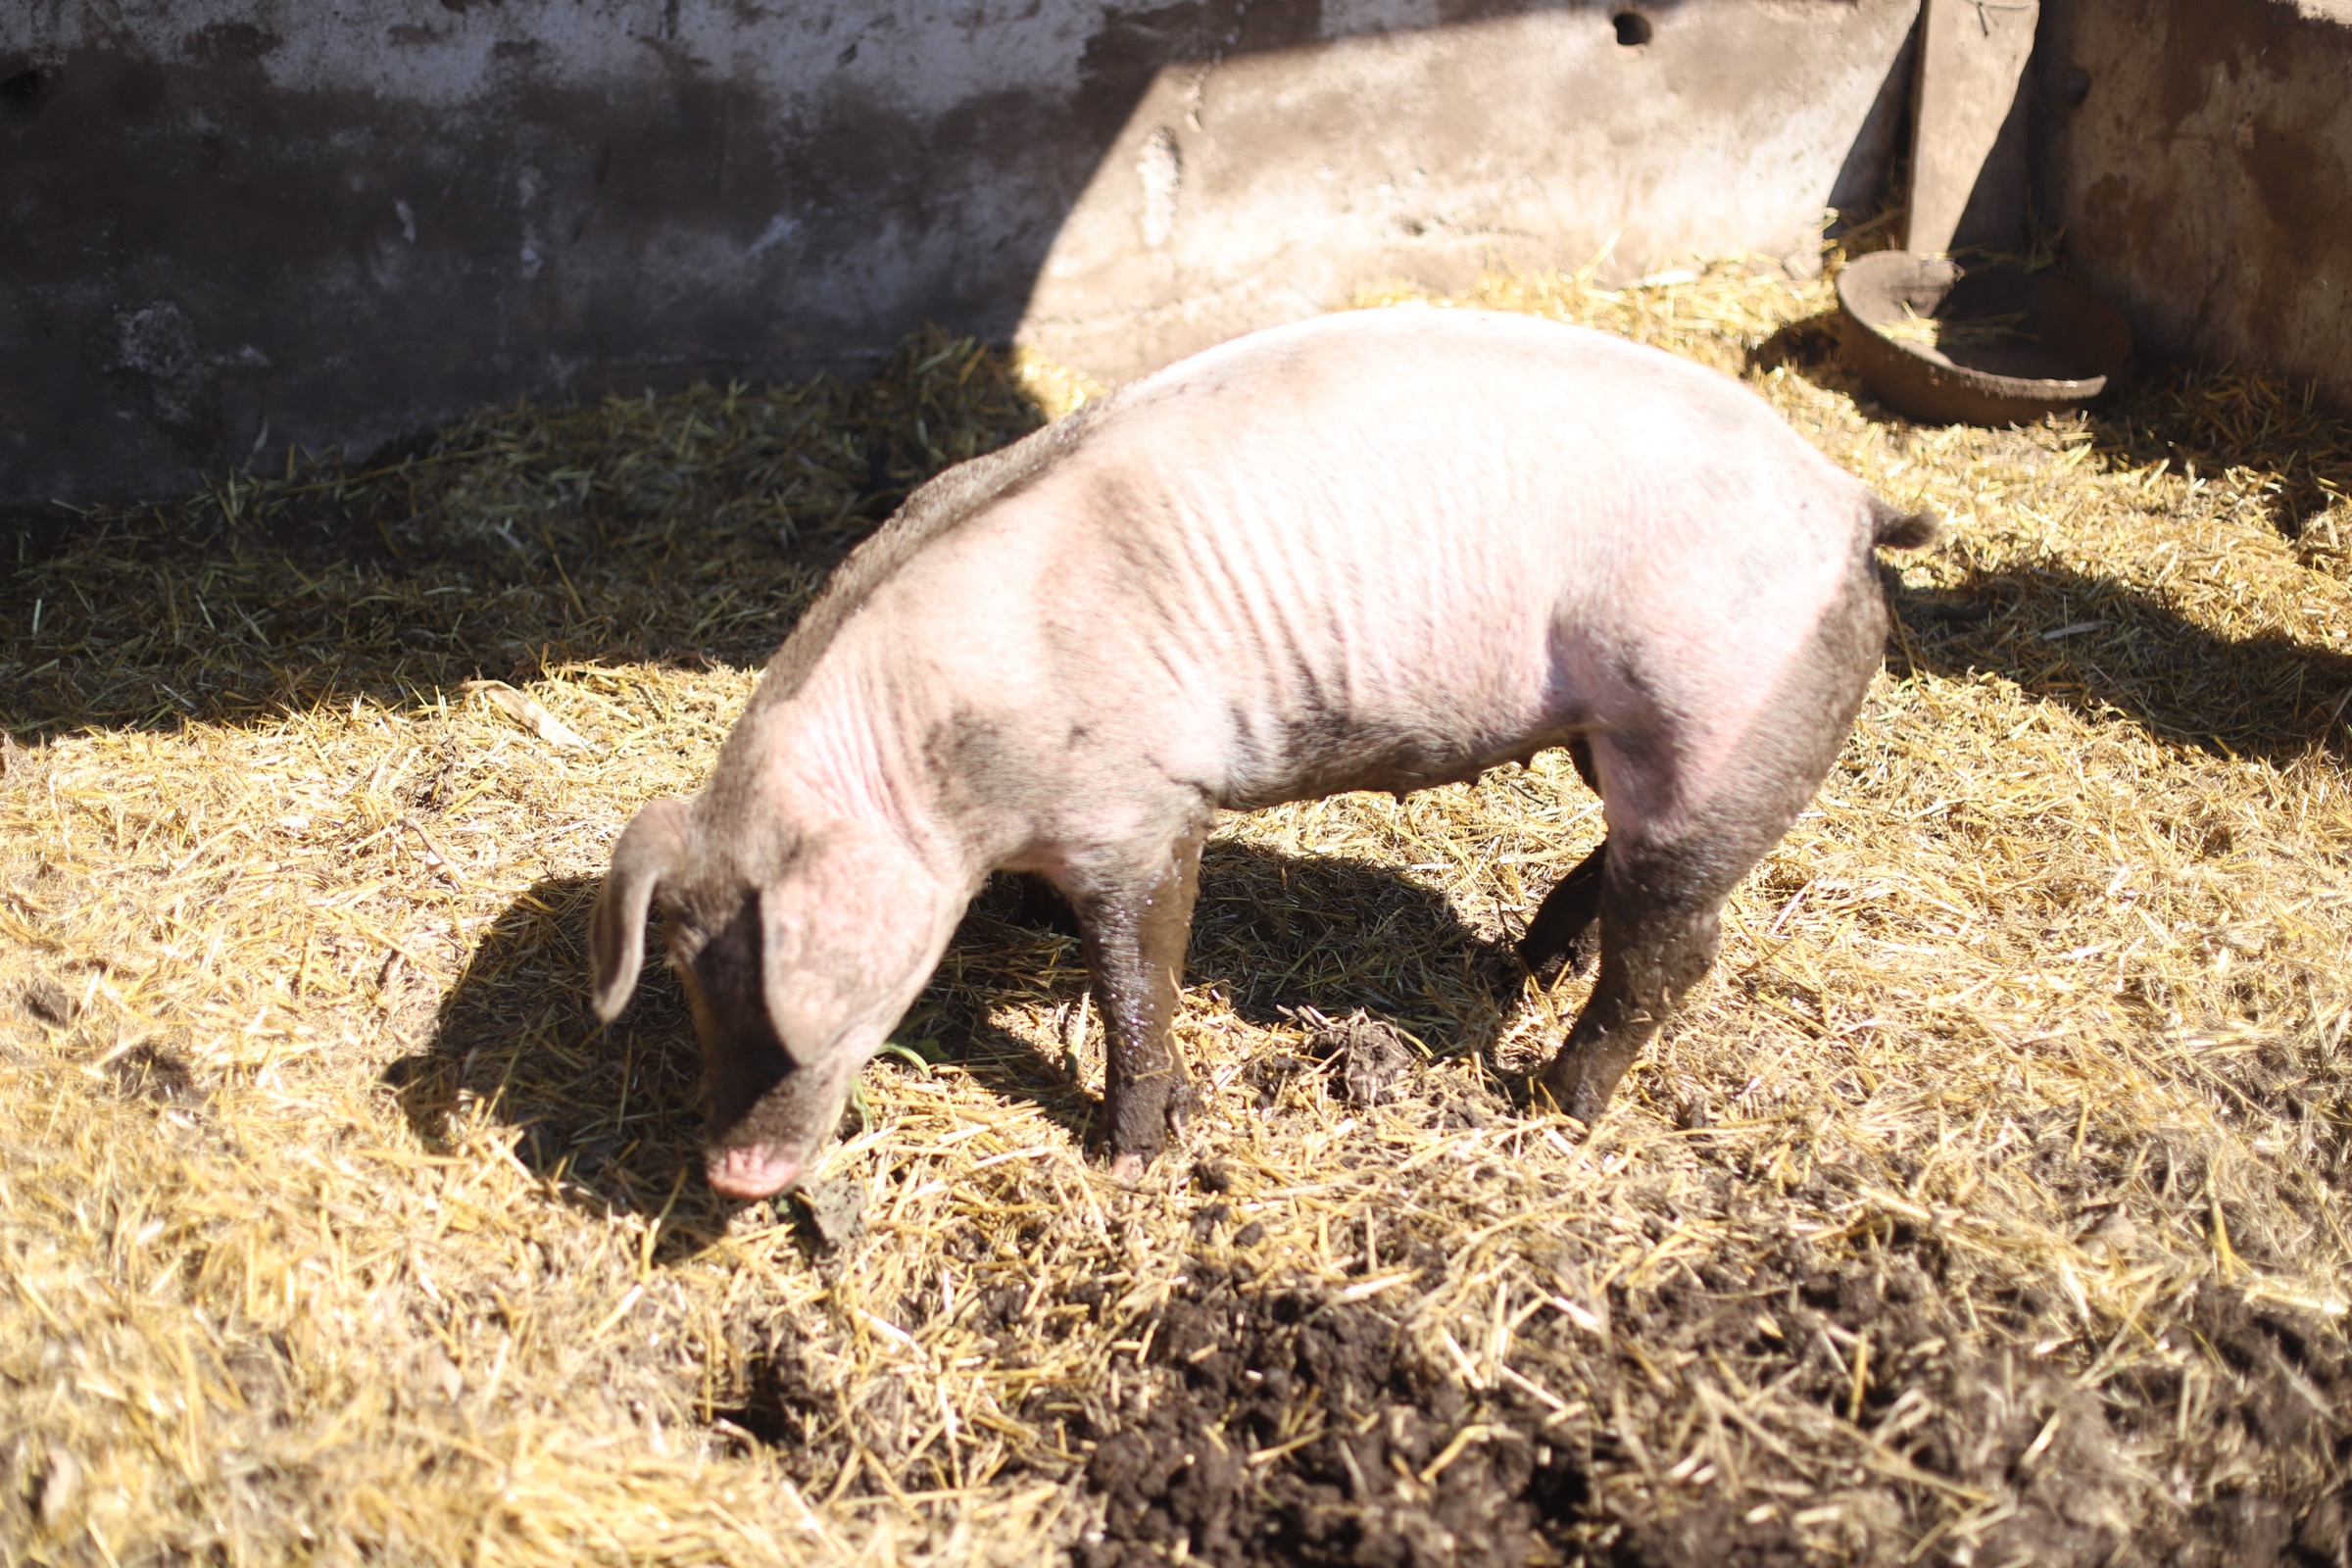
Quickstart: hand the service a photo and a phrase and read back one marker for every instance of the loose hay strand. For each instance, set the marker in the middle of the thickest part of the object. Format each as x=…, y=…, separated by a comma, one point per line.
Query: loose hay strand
x=1988, y=1200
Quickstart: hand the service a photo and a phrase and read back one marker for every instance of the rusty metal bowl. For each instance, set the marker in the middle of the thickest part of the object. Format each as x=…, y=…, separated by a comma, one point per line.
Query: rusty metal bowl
x=1947, y=344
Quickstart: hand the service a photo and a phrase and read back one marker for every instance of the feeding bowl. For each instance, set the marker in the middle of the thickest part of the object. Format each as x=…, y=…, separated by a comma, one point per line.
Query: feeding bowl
x=1945, y=343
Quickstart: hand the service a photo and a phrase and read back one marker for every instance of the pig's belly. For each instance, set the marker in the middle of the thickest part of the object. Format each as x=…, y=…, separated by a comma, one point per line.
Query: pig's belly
x=1301, y=757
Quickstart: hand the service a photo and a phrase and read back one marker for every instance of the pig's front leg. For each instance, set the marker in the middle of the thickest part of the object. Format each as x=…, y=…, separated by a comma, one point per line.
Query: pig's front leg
x=1135, y=918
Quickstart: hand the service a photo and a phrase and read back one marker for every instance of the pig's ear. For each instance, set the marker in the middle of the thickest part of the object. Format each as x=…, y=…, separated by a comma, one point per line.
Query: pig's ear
x=648, y=848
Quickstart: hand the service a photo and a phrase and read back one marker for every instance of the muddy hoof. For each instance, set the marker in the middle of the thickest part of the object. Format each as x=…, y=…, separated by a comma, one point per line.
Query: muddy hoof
x=1573, y=1089
x=1550, y=962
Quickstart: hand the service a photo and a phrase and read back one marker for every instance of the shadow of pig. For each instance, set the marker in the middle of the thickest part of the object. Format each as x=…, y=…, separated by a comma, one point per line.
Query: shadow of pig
x=612, y=1116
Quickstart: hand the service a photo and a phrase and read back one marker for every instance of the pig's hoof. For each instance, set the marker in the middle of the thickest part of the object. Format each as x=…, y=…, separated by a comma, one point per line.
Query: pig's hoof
x=1128, y=1169
x=1583, y=950
x=1573, y=1093
x=1504, y=971
x=1549, y=962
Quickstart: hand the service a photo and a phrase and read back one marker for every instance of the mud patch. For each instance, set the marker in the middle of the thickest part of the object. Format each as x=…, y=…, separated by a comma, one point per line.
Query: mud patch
x=1368, y=1059
x=154, y=1073
x=832, y=1213
x=1294, y=1428
x=49, y=1001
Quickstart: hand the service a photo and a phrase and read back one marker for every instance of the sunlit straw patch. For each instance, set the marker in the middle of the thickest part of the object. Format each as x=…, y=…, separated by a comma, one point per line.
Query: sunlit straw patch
x=1990, y=1199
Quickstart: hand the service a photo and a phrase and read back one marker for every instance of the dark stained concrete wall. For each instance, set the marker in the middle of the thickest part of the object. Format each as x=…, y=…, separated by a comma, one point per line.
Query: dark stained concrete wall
x=229, y=226
x=2199, y=154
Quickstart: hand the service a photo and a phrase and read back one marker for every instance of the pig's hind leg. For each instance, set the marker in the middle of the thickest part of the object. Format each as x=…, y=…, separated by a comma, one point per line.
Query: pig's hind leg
x=1660, y=905
x=1135, y=920
x=1561, y=938
x=1562, y=935
x=1660, y=890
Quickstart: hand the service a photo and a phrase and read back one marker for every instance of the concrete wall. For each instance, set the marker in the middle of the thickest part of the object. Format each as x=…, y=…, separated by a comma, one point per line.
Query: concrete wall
x=226, y=225
x=2199, y=154
x=1262, y=187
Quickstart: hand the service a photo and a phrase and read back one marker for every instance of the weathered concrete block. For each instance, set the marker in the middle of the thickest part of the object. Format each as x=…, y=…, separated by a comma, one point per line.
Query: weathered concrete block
x=2199, y=154
x=1248, y=189
x=232, y=226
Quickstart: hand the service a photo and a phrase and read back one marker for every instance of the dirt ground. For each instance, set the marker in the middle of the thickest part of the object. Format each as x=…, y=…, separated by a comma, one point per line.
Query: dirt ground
x=1987, y=1205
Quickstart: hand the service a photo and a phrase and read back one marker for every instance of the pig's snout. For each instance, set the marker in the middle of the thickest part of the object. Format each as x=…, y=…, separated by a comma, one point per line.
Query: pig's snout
x=750, y=1171
x=760, y=1149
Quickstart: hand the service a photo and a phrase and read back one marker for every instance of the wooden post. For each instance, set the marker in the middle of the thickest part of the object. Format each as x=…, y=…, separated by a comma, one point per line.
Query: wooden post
x=1968, y=151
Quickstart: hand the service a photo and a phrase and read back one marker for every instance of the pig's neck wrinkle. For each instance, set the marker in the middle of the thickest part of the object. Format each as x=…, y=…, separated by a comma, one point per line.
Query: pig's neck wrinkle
x=939, y=507
x=829, y=754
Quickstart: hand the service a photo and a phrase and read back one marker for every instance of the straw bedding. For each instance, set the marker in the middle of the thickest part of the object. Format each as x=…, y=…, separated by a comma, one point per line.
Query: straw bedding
x=1987, y=1205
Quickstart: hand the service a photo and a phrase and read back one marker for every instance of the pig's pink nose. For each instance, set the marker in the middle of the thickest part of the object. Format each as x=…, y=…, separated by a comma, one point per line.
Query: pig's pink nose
x=750, y=1171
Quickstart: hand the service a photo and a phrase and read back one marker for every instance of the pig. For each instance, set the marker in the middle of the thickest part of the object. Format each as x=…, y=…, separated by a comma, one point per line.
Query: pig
x=1381, y=550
